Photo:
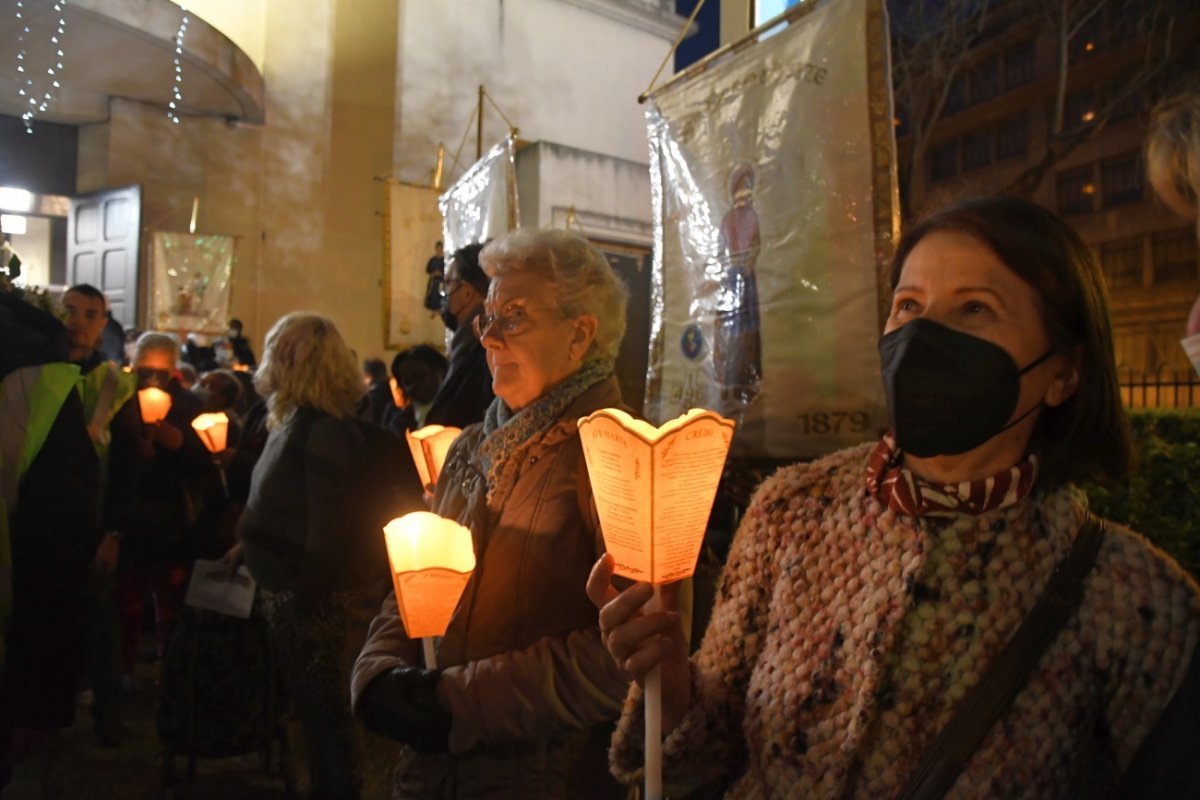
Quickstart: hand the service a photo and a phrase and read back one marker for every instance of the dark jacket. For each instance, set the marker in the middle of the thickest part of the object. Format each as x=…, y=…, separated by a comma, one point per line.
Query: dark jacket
x=526, y=678
x=467, y=390
x=179, y=495
x=318, y=503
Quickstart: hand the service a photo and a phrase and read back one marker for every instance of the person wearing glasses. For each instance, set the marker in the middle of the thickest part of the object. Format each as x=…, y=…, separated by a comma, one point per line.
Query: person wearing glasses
x=467, y=390
x=524, y=693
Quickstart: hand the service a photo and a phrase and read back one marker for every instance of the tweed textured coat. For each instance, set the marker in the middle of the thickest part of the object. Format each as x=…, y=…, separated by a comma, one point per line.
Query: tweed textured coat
x=844, y=633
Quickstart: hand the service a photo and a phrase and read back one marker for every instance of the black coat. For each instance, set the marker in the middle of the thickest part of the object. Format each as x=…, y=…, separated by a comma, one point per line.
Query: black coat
x=466, y=392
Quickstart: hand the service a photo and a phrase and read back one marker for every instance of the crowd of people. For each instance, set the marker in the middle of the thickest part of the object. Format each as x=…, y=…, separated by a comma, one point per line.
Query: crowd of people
x=873, y=604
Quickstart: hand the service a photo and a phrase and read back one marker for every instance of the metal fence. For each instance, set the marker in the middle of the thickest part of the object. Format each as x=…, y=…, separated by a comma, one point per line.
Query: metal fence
x=1161, y=389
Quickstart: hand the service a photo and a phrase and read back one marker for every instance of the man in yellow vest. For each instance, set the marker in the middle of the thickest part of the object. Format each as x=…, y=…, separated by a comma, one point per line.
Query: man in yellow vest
x=114, y=428
x=49, y=490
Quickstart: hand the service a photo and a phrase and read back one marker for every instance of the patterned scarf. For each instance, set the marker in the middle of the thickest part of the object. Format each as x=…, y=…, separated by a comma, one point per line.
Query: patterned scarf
x=905, y=493
x=506, y=433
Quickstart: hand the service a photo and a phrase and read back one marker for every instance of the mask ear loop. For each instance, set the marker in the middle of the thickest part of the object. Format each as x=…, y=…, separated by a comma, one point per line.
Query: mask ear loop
x=1037, y=361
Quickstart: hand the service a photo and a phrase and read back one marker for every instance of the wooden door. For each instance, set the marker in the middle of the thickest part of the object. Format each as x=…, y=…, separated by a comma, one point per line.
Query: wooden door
x=104, y=245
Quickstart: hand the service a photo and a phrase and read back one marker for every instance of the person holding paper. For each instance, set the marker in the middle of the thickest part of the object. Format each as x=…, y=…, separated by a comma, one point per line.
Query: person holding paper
x=522, y=700
x=311, y=534
x=868, y=593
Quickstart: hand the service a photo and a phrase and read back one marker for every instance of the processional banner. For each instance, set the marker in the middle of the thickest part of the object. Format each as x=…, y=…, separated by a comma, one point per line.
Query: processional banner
x=773, y=187
x=191, y=282
x=414, y=226
x=482, y=204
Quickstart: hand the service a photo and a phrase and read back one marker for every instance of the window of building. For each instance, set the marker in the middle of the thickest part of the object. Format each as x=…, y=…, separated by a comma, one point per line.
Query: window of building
x=1076, y=190
x=1012, y=137
x=1121, y=180
x=977, y=150
x=1176, y=257
x=1079, y=109
x=943, y=160
x=1018, y=65
x=985, y=81
x=1121, y=262
x=956, y=97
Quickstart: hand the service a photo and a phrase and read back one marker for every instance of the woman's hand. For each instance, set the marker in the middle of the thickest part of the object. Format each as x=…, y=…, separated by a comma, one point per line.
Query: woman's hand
x=639, y=641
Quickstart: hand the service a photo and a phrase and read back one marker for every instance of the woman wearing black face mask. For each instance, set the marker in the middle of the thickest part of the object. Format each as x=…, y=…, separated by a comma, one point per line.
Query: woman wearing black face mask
x=938, y=614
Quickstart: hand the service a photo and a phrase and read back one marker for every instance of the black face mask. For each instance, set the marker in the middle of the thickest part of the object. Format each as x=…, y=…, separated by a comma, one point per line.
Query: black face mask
x=448, y=319
x=948, y=392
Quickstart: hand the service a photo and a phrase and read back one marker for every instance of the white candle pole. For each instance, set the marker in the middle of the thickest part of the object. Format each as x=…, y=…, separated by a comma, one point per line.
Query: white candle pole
x=430, y=656
x=652, y=696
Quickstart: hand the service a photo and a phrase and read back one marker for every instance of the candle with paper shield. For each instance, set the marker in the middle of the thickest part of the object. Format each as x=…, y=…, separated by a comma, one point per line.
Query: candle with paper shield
x=429, y=446
x=654, y=490
x=213, y=430
x=155, y=403
x=432, y=559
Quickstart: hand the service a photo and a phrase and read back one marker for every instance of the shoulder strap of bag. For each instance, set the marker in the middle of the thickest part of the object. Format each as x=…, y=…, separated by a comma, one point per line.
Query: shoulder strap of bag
x=945, y=758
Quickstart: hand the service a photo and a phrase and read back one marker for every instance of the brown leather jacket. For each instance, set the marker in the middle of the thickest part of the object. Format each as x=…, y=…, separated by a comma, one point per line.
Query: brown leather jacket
x=526, y=678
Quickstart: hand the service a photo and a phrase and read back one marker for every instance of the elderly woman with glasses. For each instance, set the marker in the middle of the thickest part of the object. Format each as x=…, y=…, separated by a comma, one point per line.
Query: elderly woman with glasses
x=521, y=702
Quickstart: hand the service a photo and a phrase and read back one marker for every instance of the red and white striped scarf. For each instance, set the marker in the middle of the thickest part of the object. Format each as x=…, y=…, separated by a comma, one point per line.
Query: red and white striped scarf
x=905, y=493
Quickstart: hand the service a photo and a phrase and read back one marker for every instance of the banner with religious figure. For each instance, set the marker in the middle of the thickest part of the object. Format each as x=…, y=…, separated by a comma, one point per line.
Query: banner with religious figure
x=482, y=204
x=773, y=191
x=190, y=282
x=414, y=227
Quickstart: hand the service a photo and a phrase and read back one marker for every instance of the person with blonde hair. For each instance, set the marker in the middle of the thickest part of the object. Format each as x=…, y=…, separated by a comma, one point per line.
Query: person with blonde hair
x=1173, y=164
x=311, y=534
x=524, y=694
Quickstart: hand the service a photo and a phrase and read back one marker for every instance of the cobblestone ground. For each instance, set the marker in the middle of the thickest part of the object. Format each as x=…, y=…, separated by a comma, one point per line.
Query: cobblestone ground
x=79, y=767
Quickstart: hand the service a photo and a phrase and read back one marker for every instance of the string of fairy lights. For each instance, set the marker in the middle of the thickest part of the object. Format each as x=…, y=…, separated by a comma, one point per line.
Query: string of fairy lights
x=176, y=103
x=38, y=95
x=27, y=88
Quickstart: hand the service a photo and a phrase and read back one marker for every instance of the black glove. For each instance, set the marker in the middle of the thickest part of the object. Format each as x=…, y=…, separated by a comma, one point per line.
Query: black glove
x=402, y=704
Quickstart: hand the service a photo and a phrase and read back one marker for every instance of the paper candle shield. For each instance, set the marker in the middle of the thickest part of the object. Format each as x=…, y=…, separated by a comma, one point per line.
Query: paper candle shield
x=654, y=487
x=155, y=403
x=431, y=559
x=429, y=446
x=213, y=430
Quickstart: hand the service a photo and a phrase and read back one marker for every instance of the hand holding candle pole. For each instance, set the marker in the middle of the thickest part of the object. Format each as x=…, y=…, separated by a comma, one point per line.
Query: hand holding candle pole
x=654, y=488
x=431, y=560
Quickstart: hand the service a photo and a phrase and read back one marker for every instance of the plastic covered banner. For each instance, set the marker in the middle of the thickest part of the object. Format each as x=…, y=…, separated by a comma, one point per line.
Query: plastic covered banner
x=482, y=204
x=774, y=199
x=190, y=282
x=414, y=226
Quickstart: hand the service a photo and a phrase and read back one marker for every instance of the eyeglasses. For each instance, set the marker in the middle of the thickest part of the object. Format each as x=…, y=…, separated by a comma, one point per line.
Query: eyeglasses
x=148, y=376
x=449, y=292
x=512, y=320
